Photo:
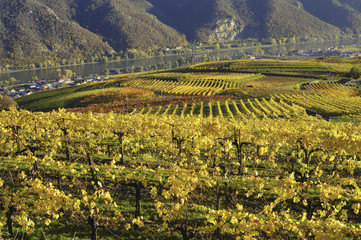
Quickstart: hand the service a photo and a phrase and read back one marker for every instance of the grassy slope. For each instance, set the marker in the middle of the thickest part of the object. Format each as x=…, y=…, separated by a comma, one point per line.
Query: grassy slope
x=54, y=99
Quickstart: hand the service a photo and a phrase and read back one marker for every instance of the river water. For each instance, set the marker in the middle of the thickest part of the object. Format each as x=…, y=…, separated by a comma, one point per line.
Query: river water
x=234, y=53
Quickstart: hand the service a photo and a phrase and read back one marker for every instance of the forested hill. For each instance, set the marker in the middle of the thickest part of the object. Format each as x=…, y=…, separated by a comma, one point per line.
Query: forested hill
x=36, y=27
x=212, y=20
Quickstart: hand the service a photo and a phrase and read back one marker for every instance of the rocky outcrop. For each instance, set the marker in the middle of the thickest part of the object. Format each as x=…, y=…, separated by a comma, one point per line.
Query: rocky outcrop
x=226, y=29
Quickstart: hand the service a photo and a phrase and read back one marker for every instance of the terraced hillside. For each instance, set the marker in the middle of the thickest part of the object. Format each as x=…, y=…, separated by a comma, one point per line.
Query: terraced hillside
x=258, y=84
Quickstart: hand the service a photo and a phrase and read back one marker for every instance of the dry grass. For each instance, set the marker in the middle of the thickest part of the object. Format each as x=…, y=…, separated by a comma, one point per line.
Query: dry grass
x=275, y=82
x=116, y=96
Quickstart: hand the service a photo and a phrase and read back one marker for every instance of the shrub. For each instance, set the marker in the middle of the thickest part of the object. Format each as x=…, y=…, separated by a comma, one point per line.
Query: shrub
x=6, y=102
x=355, y=72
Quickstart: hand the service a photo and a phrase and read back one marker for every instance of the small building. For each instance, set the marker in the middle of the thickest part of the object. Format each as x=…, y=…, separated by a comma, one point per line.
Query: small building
x=78, y=80
x=63, y=79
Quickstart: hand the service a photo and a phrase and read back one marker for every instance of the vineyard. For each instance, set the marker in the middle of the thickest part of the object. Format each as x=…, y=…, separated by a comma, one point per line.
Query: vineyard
x=241, y=80
x=230, y=109
x=302, y=68
x=325, y=104
x=197, y=87
x=229, y=150
x=157, y=176
x=331, y=88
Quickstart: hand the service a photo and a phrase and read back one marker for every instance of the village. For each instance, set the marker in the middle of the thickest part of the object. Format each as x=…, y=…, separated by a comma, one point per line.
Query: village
x=19, y=90
x=328, y=52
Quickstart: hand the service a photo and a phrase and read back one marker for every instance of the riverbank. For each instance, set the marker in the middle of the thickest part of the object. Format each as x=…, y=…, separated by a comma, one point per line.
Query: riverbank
x=171, y=55
x=86, y=69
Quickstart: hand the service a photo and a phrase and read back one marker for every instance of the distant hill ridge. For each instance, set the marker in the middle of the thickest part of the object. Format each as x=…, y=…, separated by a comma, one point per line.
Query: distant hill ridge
x=33, y=27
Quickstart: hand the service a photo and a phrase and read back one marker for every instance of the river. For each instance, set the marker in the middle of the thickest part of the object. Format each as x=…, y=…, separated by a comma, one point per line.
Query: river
x=234, y=53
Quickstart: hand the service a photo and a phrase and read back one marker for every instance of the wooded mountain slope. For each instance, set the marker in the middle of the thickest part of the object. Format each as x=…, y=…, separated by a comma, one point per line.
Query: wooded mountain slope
x=34, y=27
